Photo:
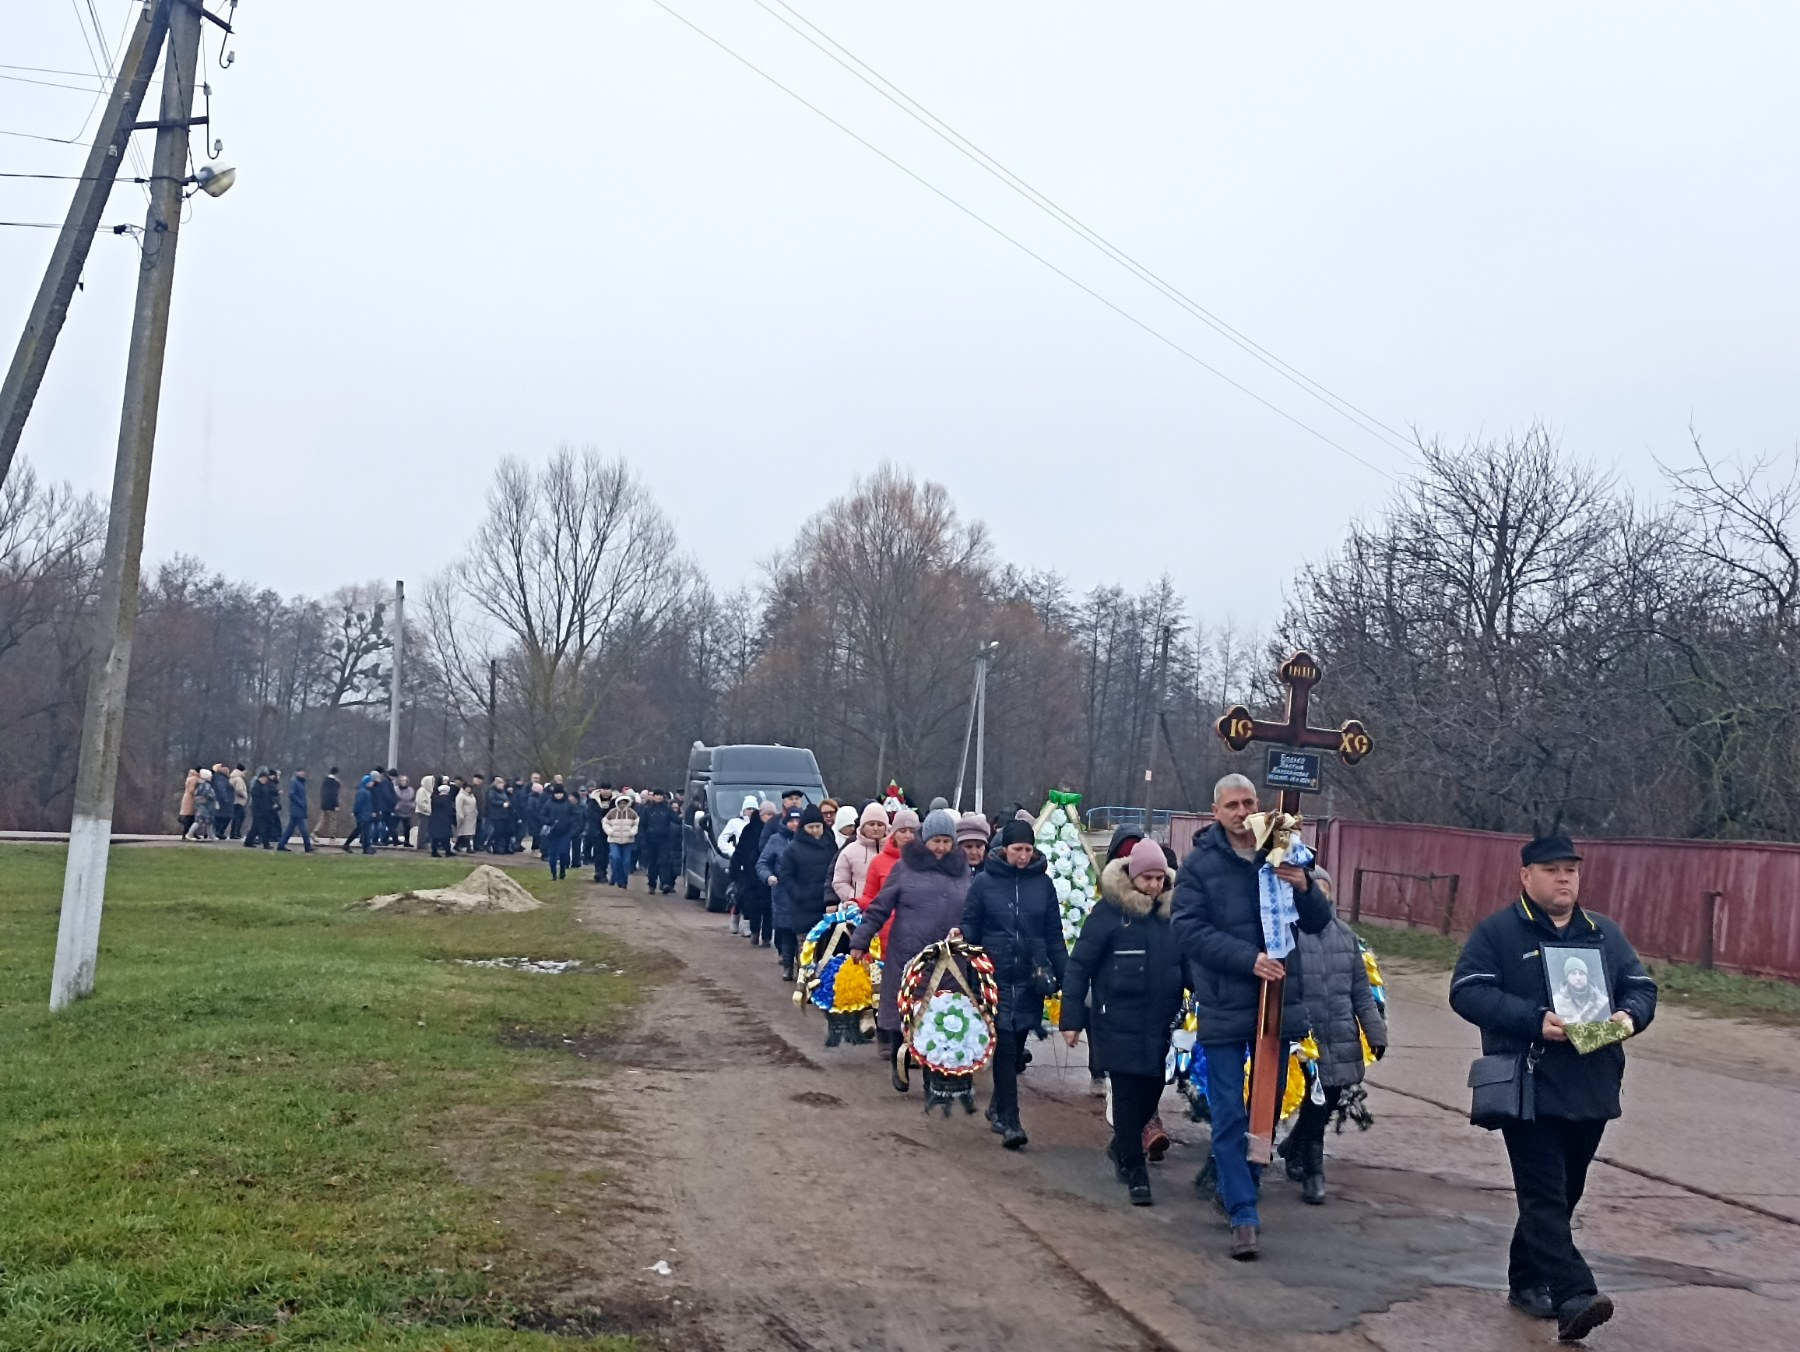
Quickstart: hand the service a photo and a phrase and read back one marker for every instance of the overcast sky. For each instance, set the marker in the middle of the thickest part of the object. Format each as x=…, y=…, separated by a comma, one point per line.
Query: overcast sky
x=462, y=230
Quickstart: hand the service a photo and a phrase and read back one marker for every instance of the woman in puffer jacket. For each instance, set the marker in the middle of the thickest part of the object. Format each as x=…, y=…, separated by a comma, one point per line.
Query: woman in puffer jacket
x=1123, y=987
x=1334, y=983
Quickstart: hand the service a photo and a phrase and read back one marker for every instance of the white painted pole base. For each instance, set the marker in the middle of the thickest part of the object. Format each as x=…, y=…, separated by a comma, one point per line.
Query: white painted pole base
x=84, y=891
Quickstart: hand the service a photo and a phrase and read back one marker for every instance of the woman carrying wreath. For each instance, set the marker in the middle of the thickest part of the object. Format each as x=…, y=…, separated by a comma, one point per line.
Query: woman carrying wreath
x=1012, y=912
x=924, y=895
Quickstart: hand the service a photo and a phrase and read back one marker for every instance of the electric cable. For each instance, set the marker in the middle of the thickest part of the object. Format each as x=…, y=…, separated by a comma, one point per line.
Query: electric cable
x=1027, y=250
x=919, y=113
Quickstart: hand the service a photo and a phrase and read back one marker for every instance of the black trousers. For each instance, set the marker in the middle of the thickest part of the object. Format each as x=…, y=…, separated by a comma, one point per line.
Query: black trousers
x=654, y=855
x=1550, y=1159
x=787, y=944
x=1314, y=1117
x=1009, y=1046
x=1134, y=1100
x=757, y=910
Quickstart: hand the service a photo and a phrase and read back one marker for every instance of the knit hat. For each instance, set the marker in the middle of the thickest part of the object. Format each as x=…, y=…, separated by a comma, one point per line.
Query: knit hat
x=1023, y=816
x=1146, y=857
x=938, y=803
x=972, y=826
x=751, y=802
x=874, y=812
x=906, y=820
x=938, y=823
x=1015, y=832
x=845, y=819
x=795, y=815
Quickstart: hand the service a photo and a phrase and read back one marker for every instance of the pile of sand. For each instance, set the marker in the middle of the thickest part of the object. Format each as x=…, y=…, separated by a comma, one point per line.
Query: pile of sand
x=486, y=889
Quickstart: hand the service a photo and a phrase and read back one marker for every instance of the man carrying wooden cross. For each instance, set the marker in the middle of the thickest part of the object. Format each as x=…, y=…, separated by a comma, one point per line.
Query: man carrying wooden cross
x=1218, y=921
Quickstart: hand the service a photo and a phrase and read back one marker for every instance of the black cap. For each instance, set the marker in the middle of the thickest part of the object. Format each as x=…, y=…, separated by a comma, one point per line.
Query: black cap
x=1016, y=832
x=793, y=793
x=1548, y=850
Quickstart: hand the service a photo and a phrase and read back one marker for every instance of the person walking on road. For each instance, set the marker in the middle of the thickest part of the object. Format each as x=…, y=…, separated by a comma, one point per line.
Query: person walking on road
x=803, y=878
x=621, y=824
x=1011, y=910
x=185, y=813
x=1218, y=921
x=851, y=871
x=297, y=813
x=1503, y=984
x=776, y=841
x=363, y=808
x=265, y=810
x=1334, y=984
x=923, y=895
x=224, y=799
x=750, y=891
x=560, y=821
x=205, y=807
x=468, y=819
x=240, y=799
x=658, y=842
x=329, y=793
x=1123, y=988
x=406, y=807
x=440, y=818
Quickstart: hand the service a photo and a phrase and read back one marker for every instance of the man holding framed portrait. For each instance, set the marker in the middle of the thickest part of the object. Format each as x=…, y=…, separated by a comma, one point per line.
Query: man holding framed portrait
x=1527, y=976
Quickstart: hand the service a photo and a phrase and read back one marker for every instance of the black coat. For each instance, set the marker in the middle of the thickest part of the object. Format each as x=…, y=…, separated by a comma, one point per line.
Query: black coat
x=1124, y=981
x=559, y=818
x=443, y=813
x=1218, y=922
x=386, y=796
x=803, y=874
x=743, y=855
x=500, y=807
x=328, y=793
x=1013, y=914
x=656, y=824
x=1499, y=986
x=265, y=798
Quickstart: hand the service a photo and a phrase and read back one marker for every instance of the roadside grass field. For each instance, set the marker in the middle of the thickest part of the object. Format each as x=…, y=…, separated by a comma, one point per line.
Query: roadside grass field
x=233, y=1142
x=1723, y=993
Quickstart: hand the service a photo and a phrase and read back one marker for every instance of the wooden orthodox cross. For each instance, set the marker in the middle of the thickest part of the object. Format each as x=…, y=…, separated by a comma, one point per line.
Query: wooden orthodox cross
x=1300, y=673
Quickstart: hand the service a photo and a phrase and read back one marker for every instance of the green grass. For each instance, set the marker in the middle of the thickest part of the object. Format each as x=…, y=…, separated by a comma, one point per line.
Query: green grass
x=232, y=1142
x=1723, y=993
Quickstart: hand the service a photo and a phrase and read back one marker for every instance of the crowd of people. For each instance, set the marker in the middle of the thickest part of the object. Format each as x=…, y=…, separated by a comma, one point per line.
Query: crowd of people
x=1200, y=939
x=1166, y=945
x=617, y=831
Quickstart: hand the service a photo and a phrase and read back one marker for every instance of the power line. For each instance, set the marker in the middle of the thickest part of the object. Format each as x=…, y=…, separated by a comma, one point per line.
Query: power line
x=1025, y=249
x=52, y=84
x=919, y=113
x=74, y=178
x=53, y=140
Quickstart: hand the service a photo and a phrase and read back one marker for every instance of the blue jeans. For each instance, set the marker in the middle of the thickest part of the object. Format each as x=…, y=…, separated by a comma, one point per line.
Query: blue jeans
x=367, y=827
x=621, y=864
x=1238, y=1178
x=556, y=851
x=296, y=824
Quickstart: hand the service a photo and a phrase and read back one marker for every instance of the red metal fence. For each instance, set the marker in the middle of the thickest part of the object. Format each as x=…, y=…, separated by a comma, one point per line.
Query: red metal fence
x=1736, y=906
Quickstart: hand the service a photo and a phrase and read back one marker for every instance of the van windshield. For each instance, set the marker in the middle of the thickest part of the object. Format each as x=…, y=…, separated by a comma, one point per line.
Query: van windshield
x=728, y=799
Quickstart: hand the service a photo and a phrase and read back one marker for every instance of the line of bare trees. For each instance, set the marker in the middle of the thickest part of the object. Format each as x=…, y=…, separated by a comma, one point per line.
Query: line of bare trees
x=1529, y=646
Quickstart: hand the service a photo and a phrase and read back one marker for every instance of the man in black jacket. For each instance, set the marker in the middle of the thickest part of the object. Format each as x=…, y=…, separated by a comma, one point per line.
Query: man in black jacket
x=328, y=803
x=1502, y=984
x=656, y=842
x=1218, y=922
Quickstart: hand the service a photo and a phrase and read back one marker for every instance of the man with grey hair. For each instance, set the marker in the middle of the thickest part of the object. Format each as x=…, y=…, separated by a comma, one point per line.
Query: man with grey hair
x=1219, y=924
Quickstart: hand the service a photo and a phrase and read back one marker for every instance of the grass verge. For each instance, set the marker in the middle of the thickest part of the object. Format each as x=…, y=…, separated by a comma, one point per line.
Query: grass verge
x=1723, y=993
x=234, y=1142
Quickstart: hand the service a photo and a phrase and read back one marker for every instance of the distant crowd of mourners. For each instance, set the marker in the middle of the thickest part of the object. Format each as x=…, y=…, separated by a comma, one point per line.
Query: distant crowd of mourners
x=615, y=830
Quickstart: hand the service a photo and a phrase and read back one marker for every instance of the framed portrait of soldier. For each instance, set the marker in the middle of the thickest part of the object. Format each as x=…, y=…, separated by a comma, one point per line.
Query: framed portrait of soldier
x=1579, y=988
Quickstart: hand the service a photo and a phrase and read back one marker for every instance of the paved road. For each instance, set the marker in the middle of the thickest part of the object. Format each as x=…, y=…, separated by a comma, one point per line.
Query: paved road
x=804, y=1204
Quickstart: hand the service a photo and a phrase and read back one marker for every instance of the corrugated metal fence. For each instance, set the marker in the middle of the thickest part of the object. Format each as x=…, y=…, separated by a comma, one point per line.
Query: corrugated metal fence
x=1736, y=906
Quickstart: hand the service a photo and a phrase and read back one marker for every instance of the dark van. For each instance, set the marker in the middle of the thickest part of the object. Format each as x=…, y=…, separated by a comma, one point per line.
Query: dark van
x=719, y=779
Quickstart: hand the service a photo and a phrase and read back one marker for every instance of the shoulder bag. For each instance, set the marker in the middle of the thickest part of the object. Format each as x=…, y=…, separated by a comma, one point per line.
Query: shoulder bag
x=1503, y=1088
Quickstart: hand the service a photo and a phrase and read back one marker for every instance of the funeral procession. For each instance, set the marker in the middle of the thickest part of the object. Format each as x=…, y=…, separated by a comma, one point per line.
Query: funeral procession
x=1010, y=677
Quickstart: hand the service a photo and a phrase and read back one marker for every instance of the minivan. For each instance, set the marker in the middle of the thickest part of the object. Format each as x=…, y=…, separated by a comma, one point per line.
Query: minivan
x=719, y=779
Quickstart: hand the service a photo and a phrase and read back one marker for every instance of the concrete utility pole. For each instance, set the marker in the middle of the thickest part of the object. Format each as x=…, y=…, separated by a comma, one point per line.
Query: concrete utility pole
x=393, y=759
x=982, y=659
x=1156, y=689
x=136, y=65
x=84, y=884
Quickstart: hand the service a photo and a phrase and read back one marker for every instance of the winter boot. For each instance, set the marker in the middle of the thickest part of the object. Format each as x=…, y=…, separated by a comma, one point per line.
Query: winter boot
x=1293, y=1159
x=1014, y=1137
x=1312, y=1186
x=1120, y=1172
x=1156, y=1140
x=1139, y=1183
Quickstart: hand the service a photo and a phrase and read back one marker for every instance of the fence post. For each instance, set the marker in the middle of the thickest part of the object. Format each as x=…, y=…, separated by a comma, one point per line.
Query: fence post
x=1450, y=902
x=1709, y=912
x=1356, y=897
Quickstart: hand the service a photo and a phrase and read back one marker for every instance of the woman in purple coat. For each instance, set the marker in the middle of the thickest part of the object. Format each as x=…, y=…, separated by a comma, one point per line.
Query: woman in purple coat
x=925, y=895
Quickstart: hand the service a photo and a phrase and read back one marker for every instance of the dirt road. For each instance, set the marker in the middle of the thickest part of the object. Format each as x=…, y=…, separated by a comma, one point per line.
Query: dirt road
x=800, y=1203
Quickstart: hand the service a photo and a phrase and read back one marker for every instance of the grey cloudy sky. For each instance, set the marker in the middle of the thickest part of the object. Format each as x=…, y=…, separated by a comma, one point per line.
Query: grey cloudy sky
x=463, y=230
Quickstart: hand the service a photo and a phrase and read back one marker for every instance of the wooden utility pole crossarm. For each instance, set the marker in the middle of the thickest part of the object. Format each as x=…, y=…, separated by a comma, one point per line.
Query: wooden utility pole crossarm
x=136, y=65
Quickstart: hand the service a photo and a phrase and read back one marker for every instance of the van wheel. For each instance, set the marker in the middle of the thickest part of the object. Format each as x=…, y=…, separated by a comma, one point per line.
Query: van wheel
x=718, y=896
